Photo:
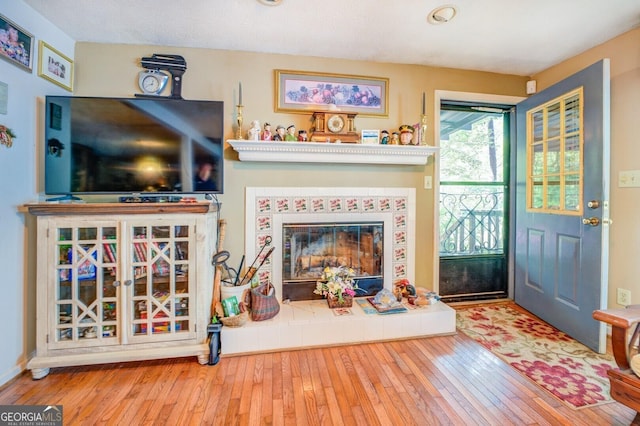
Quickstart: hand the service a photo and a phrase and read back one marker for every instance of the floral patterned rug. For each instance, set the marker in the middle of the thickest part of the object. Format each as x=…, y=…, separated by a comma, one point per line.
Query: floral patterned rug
x=553, y=360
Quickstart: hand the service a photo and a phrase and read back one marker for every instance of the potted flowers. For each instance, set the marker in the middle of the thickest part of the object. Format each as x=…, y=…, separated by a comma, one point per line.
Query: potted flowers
x=337, y=286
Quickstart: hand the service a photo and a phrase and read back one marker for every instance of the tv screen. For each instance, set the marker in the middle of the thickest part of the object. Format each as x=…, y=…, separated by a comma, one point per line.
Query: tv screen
x=133, y=146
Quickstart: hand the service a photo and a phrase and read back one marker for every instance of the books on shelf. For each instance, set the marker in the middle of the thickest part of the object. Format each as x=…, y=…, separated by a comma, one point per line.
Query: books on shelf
x=109, y=250
x=139, y=252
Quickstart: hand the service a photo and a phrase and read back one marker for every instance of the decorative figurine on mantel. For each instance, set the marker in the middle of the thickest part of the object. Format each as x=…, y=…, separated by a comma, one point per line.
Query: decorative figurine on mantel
x=291, y=134
x=279, y=136
x=384, y=137
x=266, y=133
x=254, y=131
x=395, y=139
x=406, y=134
x=302, y=136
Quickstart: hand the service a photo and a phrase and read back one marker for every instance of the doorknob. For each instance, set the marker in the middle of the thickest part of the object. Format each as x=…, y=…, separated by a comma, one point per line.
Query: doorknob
x=593, y=204
x=592, y=221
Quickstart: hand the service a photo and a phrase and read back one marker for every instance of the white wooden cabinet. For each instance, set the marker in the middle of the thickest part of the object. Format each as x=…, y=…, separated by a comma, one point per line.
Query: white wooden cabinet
x=122, y=282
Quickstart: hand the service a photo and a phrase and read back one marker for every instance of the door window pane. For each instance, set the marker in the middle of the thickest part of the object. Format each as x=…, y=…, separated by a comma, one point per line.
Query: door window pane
x=572, y=154
x=554, y=150
x=537, y=126
x=553, y=193
x=537, y=193
x=553, y=156
x=553, y=124
x=572, y=192
x=537, y=159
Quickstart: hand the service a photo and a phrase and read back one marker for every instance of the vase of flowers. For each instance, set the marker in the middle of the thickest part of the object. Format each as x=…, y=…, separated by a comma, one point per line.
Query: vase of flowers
x=337, y=286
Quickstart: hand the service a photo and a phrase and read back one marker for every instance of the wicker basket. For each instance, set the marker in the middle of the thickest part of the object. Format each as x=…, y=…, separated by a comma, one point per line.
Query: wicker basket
x=236, y=320
x=334, y=302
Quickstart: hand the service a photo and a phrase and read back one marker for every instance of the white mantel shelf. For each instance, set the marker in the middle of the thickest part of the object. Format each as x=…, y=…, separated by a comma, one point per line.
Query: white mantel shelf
x=320, y=152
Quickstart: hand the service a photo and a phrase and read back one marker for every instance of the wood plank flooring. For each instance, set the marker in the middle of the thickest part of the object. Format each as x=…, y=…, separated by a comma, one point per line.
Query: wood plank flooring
x=429, y=381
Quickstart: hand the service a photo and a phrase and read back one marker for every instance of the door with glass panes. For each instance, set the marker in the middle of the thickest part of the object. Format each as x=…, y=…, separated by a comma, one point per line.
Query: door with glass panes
x=474, y=201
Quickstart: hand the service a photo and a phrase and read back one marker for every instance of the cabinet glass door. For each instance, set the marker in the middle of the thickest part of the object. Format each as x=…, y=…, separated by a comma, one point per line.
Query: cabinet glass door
x=86, y=285
x=161, y=299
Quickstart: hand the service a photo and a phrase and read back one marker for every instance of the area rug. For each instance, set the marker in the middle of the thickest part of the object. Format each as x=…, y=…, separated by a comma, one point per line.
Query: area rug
x=550, y=358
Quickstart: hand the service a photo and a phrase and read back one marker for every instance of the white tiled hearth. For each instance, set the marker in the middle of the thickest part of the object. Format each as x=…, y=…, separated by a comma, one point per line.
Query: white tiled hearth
x=311, y=323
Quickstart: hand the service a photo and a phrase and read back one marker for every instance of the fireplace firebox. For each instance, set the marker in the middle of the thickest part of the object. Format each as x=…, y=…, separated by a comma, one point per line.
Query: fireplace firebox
x=308, y=248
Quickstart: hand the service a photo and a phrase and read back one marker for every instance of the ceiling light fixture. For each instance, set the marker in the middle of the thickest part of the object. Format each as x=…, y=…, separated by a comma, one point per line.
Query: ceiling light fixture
x=441, y=15
x=271, y=2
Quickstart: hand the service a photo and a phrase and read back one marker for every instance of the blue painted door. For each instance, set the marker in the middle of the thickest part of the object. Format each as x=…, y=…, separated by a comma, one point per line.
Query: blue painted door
x=562, y=192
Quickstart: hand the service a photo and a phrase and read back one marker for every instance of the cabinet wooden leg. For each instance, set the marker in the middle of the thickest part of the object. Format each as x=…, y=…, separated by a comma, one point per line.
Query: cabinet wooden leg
x=39, y=373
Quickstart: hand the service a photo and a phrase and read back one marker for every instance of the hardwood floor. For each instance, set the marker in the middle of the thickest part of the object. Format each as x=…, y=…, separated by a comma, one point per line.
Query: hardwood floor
x=437, y=380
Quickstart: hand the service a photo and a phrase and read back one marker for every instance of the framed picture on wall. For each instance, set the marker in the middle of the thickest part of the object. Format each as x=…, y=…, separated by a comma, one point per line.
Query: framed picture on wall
x=302, y=91
x=16, y=45
x=55, y=67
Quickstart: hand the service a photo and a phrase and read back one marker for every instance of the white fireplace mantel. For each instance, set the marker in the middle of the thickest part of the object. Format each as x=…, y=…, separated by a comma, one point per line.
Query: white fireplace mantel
x=319, y=152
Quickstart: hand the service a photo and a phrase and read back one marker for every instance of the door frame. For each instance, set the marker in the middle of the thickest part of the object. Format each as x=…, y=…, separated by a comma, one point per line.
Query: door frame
x=439, y=96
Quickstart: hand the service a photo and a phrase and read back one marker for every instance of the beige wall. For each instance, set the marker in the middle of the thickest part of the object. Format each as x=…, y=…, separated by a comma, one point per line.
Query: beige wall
x=624, y=55
x=111, y=70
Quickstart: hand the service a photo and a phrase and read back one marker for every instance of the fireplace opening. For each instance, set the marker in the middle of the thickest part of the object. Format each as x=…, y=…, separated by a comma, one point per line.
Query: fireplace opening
x=308, y=248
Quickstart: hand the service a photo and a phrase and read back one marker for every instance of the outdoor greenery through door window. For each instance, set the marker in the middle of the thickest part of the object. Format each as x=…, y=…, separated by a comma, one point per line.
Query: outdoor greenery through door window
x=472, y=181
x=554, y=153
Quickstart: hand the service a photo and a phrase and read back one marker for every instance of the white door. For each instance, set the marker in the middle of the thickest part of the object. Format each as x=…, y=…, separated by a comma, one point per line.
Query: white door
x=562, y=192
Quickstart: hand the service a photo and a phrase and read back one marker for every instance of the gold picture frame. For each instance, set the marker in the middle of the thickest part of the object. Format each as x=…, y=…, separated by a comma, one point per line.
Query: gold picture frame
x=305, y=92
x=54, y=66
x=18, y=49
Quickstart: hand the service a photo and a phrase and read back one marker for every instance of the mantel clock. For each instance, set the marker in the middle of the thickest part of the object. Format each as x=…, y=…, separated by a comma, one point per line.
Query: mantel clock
x=331, y=126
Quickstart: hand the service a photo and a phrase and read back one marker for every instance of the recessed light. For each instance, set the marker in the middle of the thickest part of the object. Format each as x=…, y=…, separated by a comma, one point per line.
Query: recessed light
x=441, y=15
x=271, y=2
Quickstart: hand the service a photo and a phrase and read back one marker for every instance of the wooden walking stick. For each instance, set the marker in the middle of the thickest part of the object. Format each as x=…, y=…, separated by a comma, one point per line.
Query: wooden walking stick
x=216, y=306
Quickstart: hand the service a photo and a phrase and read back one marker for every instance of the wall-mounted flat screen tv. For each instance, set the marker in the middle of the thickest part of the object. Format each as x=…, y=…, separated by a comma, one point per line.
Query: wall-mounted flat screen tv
x=133, y=146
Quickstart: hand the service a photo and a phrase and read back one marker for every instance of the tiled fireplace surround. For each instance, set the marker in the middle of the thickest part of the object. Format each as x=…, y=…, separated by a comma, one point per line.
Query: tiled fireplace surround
x=311, y=323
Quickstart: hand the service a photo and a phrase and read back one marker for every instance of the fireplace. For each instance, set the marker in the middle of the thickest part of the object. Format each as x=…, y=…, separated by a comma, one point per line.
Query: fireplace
x=369, y=229
x=309, y=248
x=309, y=323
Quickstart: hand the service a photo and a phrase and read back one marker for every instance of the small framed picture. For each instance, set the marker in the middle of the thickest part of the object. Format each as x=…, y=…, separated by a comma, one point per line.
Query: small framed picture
x=16, y=45
x=370, y=137
x=55, y=67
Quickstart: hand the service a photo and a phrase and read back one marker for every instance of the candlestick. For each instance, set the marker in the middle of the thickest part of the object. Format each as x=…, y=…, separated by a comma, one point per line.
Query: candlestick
x=423, y=130
x=239, y=122
x=240, y=95
x=423, y=104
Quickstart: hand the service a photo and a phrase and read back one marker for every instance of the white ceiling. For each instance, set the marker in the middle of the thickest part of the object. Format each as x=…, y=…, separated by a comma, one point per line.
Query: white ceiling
x=507, y=36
